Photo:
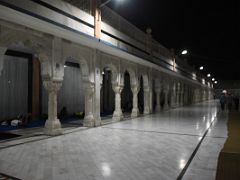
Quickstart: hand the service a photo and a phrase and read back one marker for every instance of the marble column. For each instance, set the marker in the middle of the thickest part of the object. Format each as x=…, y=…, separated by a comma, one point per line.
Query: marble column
x=117, y=115
x=150, y=100
x=135, y=112
x=97, y=97
x=182, y=96
x=210, y=94
x=173, y=96
x=89, y=118
x=204, y=95
x=194, y=96
x=52, y=125
x=158, y=94
x=2, y=53
x=146, y=100
x=190, y=95
x=177, y=94
x=185, y=100
x=198, y=95
x=166, y=91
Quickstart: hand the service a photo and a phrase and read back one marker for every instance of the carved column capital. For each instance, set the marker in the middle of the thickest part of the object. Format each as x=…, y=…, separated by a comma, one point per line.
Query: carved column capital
x=117, y=88
x=89, y=87
x=52, y=86
x=135, y=89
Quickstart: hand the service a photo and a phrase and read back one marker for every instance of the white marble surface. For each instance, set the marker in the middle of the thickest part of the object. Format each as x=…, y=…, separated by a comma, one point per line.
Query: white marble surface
x=151, y=147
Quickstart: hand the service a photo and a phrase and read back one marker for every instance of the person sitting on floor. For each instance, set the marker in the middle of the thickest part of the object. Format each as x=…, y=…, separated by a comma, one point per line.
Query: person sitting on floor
x=25, y=120
x=63, y=113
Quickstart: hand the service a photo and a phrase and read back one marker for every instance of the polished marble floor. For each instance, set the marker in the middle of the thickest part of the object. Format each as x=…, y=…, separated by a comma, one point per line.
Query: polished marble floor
x=158, y=146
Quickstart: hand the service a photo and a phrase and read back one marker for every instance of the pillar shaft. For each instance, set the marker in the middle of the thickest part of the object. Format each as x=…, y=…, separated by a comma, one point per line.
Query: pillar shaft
x=177, y=96
x=89, y=118
x=166, y=106
x=135, y=110
x=158, y=105
x=146, y=101
x=52, y=125
x=173, y=97
x=117, y=115
x=182, y=97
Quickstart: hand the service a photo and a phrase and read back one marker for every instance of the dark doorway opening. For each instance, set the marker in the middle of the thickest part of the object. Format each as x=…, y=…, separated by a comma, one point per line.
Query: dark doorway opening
x=141, y=97
x=107, y=94
x=126, y=95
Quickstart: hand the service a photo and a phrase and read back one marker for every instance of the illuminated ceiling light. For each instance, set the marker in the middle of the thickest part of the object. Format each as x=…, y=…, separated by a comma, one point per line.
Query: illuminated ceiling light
x=184, y=52
x=209, y=75
x=213, y=79
x=215, y=82
x=201, y=68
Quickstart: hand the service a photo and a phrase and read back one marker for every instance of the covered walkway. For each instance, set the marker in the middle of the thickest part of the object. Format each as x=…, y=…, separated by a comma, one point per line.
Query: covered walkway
x=182, y=143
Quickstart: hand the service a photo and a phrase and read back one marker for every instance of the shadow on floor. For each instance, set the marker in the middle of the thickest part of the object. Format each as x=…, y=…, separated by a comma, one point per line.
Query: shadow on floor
x=229, y=158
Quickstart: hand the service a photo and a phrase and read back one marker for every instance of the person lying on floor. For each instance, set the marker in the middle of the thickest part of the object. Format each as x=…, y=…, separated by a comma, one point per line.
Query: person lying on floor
x=22, y=120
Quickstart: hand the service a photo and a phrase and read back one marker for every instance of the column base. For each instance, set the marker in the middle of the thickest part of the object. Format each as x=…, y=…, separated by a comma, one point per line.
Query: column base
x=158, y=108
x=134, y=113
x=89, y=121
x=166, y=107
x=98, y=121
x=53, y=128
x=173, y=106
x=117, y=116
x=146, y=111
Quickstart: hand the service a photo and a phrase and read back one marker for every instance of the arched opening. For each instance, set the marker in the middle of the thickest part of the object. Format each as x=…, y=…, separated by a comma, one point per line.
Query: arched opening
x=70, y=97
x=16, y=87
x=107, y=94
x=126, y=95
x=141, y=97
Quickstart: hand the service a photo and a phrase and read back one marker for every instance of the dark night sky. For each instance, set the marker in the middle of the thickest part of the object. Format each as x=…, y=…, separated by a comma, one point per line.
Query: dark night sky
x=208, y=29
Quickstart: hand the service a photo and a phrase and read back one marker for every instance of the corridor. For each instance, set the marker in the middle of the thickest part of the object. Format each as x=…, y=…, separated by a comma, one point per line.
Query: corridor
x=182, y=143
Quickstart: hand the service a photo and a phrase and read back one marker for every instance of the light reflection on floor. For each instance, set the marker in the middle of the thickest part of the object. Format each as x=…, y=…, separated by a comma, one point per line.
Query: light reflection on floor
x=157, y=146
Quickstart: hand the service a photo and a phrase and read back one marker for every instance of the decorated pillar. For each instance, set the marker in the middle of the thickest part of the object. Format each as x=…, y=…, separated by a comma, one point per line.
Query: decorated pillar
x=146, y=100
x=178, y=95
x=52, y=125
x=135, y=111
x=182, y=96
x=166, y=91
x=117, y=115
x=89, y=118
x=158, y=95
x=173, y=96
x=97, y=89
